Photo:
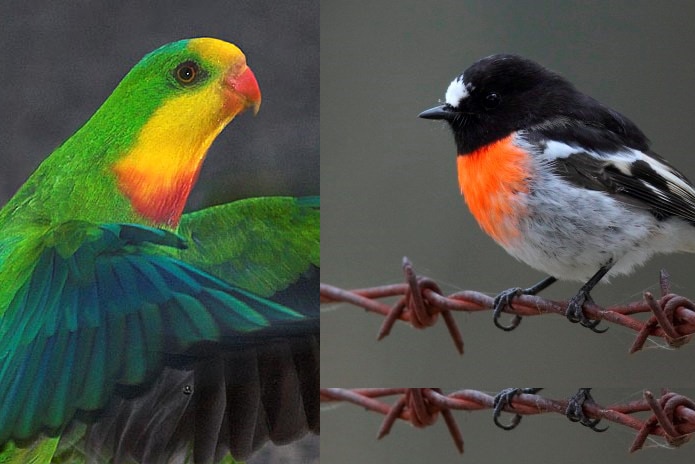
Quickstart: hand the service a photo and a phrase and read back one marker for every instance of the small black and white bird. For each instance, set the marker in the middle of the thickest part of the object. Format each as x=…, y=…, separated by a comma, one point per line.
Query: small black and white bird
x=559, y=180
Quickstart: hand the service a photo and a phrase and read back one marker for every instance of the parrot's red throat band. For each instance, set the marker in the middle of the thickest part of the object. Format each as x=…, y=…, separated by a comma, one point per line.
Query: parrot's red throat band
x=155, y=197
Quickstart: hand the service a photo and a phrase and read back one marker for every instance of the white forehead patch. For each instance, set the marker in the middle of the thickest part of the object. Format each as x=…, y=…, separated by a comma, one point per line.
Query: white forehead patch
x=456, y=92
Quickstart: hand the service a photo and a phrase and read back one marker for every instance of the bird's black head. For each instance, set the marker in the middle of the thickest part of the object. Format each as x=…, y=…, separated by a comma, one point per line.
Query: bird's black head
x=501, y=94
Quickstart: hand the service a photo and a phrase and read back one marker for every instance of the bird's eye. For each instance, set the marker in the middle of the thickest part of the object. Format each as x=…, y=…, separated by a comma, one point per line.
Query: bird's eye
x=186, y=73
x=492, y=100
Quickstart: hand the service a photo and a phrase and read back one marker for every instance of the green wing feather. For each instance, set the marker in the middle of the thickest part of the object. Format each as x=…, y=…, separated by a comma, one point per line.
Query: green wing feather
x=259, y=244
x=108, y=303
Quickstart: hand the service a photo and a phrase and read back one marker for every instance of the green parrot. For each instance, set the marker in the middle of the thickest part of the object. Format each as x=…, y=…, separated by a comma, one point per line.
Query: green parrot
x=131, y=332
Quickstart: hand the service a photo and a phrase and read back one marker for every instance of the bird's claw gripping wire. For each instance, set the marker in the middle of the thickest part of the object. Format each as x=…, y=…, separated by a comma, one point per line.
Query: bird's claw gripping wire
x=504, y=299
x=575, y=312
x=503, y=400
x=575, y=410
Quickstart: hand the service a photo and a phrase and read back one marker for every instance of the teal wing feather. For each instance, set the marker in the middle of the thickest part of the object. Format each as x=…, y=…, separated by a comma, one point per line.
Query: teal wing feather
x=103, y=307
x=260, y=244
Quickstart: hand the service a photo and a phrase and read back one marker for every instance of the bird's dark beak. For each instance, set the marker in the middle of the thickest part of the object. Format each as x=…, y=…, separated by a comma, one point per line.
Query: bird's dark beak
x=438, y=112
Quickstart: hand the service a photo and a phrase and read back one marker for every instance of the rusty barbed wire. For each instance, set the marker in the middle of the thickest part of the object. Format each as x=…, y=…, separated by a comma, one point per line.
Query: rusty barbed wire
x=672, y=415
x=421, y=301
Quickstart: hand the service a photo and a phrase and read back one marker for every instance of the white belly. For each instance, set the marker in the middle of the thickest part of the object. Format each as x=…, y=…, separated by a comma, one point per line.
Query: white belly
x=571, y=235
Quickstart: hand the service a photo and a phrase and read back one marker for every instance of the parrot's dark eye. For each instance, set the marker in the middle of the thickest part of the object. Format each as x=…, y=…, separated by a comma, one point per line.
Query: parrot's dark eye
x=186, y=73
x=492, y=100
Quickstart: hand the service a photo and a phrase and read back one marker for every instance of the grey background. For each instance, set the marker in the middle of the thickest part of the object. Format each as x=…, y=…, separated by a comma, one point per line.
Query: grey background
x=60, y=60
x=388, y=182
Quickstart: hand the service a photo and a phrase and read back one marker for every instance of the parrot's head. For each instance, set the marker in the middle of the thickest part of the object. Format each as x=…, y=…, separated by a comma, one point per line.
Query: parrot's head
x=201, y=81
x=177, y=98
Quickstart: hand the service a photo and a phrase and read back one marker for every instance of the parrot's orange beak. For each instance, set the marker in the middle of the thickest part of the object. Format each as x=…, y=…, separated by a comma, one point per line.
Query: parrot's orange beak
x=243, y=85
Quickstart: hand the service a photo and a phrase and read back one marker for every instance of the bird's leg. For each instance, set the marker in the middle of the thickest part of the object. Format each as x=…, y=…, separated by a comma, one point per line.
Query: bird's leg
x=575, y=313
x=505, y=299
x=504, y=399
x=575, y=411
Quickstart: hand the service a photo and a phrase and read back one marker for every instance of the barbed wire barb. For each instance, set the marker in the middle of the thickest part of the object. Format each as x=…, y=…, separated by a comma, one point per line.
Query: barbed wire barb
x=420, y=301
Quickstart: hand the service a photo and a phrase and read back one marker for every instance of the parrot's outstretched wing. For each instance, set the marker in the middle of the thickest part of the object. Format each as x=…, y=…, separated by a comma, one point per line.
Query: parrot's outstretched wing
x=259, y=244
x=104, y=312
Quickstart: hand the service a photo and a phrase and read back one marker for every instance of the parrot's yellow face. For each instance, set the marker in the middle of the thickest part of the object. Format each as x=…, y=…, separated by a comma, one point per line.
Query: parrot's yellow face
x=209, y=84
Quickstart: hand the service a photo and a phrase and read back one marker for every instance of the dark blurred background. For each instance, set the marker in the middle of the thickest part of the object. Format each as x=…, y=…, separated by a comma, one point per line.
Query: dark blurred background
x=60, y=60
x=389, y=189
